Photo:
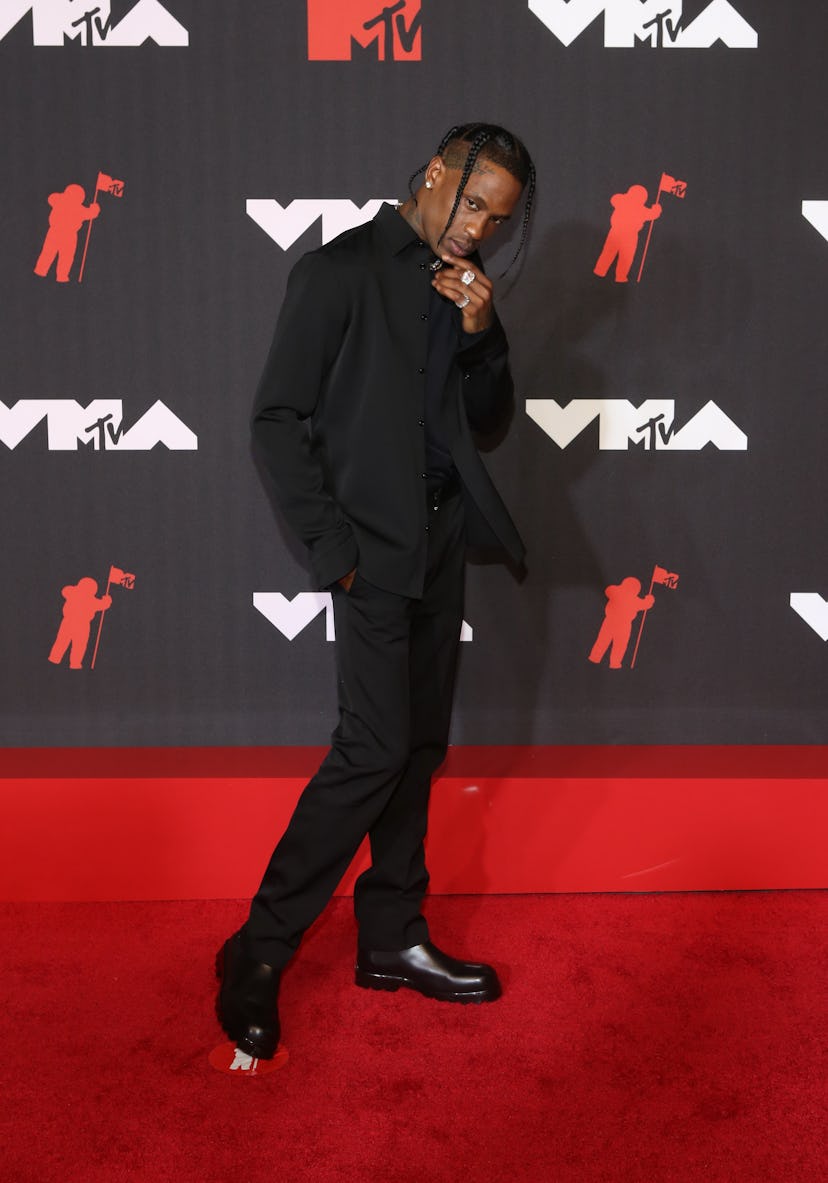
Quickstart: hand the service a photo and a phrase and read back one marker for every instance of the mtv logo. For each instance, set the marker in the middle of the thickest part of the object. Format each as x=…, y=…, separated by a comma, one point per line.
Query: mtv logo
x=286, y=224
x=97, y=426
x=658, y=22
x=291, y=617
x=622, y=423
x=54, y=22
x=388, y=32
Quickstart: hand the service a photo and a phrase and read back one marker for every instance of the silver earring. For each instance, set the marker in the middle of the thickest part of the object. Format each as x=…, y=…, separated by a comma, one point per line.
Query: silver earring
x=429, y=185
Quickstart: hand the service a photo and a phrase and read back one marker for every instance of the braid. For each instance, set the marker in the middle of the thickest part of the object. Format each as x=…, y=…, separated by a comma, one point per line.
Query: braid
x=455, y=132
x=527, y=213
x=412, y=178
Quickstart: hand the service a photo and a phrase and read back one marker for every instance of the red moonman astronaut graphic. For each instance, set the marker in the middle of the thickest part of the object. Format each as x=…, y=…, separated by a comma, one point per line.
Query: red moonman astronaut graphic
x=630, y=212
x=67, y=216
x=623, y=605
x=82, y=603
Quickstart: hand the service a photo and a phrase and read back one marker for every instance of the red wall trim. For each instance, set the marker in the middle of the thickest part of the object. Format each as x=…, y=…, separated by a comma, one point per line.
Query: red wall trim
x=194, y=823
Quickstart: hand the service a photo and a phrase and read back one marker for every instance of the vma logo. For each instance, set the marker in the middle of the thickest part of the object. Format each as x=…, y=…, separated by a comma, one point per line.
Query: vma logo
x=98, y=426
x=291, y=617
x=337, y=29
x=658, y=23
x=621, y=423
x=89, y=23
x=286, y=224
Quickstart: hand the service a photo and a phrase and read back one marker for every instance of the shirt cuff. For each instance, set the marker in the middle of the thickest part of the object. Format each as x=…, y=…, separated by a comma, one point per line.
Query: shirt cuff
x=477, y=347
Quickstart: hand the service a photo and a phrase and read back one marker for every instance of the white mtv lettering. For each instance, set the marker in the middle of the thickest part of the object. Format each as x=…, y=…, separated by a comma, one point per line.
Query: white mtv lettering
x=55, y=21
x=817, y=214
x=97, y=425
x=627, y=22
x=631, y=20
x=68, y=422
x=290, y=617
x=287, y=224
x=620, y=423
x=813, y=609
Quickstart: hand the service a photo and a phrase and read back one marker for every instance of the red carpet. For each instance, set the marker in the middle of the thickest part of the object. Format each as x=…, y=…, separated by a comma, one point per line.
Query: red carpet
x=640, y=1039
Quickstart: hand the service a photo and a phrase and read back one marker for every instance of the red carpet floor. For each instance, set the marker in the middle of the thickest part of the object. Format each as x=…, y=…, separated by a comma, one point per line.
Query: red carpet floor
x=640, y=1039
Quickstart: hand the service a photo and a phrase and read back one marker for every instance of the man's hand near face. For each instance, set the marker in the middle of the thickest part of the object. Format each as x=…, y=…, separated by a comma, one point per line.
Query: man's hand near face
x=478, y=313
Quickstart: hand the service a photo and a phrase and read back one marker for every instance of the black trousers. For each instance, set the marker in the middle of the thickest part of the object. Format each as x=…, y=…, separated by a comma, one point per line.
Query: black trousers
x=396, y=660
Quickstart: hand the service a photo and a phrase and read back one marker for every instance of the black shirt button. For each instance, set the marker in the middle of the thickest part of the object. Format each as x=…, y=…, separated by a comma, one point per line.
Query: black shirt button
x=427, y=527
x=467, y=376
x=423, y=316
x=421, y=369
x=421, y=422
x=424, y=475
x=422, y=266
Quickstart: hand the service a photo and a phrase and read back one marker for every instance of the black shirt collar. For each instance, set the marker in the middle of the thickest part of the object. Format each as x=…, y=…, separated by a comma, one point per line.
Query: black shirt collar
x=395, y=231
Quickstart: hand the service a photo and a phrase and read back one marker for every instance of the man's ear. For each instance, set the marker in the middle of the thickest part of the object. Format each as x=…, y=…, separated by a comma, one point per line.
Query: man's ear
x=436, y=171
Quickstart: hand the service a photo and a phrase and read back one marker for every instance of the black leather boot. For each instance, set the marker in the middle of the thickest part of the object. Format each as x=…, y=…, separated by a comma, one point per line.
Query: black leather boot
x=429, y=971
x=246, y=1004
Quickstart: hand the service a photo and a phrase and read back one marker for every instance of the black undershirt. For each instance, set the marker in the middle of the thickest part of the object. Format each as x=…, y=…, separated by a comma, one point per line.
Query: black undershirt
x=444, y=340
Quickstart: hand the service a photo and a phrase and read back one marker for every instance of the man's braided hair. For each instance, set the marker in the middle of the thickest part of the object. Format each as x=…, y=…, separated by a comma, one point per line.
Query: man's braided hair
x=485, y=141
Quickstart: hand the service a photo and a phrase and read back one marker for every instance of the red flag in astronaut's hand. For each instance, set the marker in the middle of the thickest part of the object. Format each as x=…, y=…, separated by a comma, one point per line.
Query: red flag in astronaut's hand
x=668, y=578
x=122, y=578
x=107, y=184
x=671, y=185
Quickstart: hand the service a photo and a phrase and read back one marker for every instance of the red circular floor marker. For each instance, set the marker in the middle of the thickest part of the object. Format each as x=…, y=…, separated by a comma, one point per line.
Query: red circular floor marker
x=228, y=1058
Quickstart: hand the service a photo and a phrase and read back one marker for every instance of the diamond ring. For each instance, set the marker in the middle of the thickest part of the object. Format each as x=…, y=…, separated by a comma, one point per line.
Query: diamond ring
x=462, y=302
x=468, y=277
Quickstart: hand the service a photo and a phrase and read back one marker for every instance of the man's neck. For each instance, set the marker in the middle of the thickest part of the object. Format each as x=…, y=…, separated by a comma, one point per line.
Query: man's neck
x=410, y=211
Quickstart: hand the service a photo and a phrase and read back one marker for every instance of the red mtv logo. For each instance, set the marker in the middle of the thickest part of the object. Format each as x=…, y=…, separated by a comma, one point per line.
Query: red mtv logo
x=391, y=31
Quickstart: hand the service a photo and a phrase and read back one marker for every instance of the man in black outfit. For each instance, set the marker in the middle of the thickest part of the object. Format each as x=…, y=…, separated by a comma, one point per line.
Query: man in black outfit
x=387, y=355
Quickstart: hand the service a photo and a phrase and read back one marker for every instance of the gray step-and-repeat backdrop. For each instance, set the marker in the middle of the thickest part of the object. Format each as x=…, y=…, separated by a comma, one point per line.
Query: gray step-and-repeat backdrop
x=165, y=164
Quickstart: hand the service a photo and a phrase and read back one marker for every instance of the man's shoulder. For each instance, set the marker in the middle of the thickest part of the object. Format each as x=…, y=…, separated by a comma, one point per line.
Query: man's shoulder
x=355, y=244
x=346, y=254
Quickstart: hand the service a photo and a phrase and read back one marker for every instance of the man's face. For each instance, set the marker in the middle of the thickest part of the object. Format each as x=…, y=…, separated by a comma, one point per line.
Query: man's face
x=490, y=196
